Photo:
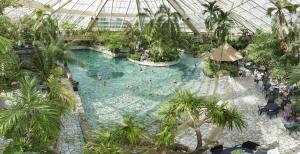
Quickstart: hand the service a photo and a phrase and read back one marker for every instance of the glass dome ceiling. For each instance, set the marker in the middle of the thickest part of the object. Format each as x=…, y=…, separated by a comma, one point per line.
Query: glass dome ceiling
x=114, y=14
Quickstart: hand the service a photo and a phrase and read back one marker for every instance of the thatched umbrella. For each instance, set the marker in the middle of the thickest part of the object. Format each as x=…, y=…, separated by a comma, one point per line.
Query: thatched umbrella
x=225, y=53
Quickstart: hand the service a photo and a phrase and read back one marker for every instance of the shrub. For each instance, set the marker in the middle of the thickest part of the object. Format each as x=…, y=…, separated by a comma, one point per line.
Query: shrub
x=114, y=41
x=135, y=56
x=197, y=50
x=213, y=70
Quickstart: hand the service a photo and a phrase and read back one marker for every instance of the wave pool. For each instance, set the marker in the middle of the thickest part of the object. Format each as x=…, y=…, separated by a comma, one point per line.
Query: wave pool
x=111, y=88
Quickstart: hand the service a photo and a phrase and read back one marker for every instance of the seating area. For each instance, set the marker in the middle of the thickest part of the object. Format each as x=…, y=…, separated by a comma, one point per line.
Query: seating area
x=280, y=99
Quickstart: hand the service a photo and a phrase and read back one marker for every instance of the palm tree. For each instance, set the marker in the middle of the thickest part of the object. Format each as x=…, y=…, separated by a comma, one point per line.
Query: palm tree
x=149, y=28
x=45, y=28
x=133, y=32
x=46, y=56
x=168, y=22
x=60, y=94
x=212, y=10
x=223, y=28
x=29, y=117
x=194, y=111
x=281, y=6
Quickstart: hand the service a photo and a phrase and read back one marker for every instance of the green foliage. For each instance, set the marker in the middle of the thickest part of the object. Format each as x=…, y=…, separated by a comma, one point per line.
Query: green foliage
x=197, y=50
x=162, y=53
x=212, y=10
x=279, y=11
x=278, y=73
x=242, y=42
x=45, y=57
x=26, y=34
x=5, y=45
x=103, y=142
x=60, y=93
x=8, y=29
x=214, y=70
x=265, y=50
x=30, y=121
x=163, y=34
x=135, y=56
x=294, y=76
x=166, y=137
x=10, y=69
x=130, y=131
x=114, y=41
x=193, y=111
x=110, y=141
x=7, y=3
x=133, y=33
x=224, y=25
x=45, y=28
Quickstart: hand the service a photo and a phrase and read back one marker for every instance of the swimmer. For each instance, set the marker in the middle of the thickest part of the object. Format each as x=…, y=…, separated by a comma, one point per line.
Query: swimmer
x=99, y=77
x=141, y=69
x=104, y=83
x=174, y=81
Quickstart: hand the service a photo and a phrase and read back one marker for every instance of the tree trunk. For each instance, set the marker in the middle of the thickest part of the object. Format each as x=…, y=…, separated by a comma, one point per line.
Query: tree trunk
x=199, y=138
x=213, y=135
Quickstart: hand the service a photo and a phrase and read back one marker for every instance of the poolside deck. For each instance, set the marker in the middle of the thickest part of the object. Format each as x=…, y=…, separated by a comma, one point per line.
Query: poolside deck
x=269, y=133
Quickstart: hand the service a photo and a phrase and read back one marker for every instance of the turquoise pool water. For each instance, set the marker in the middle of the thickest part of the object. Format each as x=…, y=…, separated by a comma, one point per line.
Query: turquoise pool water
x=128, y=88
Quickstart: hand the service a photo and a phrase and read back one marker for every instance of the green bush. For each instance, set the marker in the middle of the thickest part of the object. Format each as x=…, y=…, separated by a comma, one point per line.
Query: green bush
x=114, y=41
x=197, y=50
x=135, y=56
x=213, y=70
x=278, y=73
x=163, y=54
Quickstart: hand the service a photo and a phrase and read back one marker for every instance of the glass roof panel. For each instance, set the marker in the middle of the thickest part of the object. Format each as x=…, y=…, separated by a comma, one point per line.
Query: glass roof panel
x=246, y=13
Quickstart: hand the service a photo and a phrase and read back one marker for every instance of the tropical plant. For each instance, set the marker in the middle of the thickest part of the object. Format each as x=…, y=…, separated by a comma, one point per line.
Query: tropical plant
x=103, y=142
x=7, y=3
x=8, y=29
x=168, y=23
x=45, y=57
x=111, y=140
x=30, y=121
x=212, y=10
x=45, y=29
x=243, y=41
x=224, y=25
x=279, y=9
x=114, y=41
x=10, y=70
x=162, y=34
x=194, y=111
x=64, y=99
x=25, y=30
x=133, y=32
x=5, y=45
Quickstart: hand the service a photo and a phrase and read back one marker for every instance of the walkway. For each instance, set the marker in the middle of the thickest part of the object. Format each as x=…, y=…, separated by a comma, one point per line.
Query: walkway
x=246, y=97
x=270, y=133
x=71, y=138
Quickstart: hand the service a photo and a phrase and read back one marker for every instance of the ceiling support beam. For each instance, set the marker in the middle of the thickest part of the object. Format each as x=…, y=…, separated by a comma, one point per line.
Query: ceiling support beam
x=111, y=11
x=92, y=22
x=35, y=5
x=125, y=14
x=138, y=6
x=61, y=6
x=185, y=18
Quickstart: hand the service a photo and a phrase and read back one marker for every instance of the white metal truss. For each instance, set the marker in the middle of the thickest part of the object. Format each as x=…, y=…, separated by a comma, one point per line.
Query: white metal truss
x=250, y=14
